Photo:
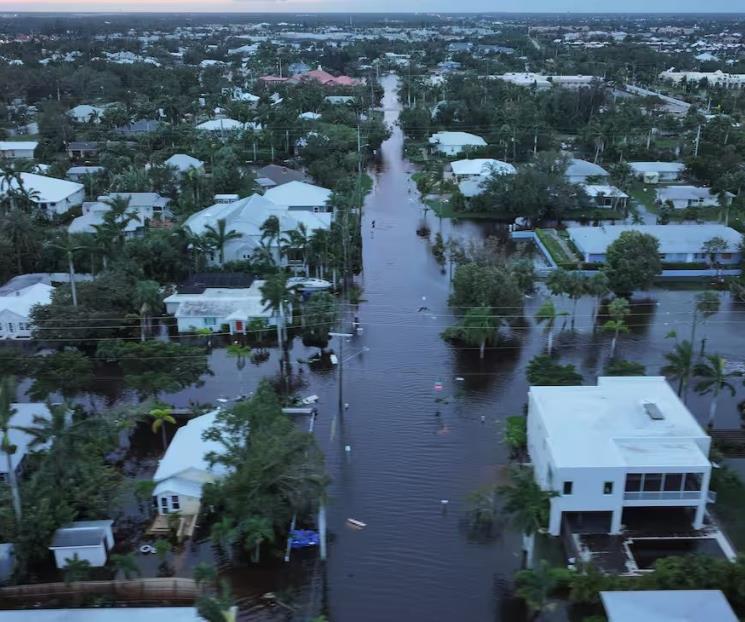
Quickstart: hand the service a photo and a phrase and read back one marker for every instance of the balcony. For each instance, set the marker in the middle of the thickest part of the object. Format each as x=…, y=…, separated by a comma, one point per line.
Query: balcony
x=674, y=495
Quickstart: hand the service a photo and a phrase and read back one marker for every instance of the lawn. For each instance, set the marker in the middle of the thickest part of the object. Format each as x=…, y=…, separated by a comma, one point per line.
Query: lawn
x=646, y=195
x=559, y=255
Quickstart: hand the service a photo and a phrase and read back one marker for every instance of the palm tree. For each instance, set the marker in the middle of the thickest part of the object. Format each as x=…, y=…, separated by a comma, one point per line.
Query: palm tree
x=547, y=314
x=126, y=563
x=69, y=245
x=297, y=240
x=597, y=287
x=479, y=326
x=618, y=309
x=319, y=251
x=262, y=257
x=270, y=230
x=680, y=366
x=118, y=216
x=535, y=587
x=161, y=415
x=148, y=298
x=713, y=374
x=7, y=395
x=199, y=246
x=528, y=505
x=275, y=298
x=204, y=573
x=76, y=569
x=20, y=229
x=218, y=237
x=255, y=530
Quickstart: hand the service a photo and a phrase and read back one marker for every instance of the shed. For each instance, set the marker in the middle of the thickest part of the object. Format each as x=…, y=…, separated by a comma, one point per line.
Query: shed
x=89, y=540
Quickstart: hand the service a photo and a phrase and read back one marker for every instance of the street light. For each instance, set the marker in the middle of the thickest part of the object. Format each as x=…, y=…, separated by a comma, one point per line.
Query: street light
x=341, y=336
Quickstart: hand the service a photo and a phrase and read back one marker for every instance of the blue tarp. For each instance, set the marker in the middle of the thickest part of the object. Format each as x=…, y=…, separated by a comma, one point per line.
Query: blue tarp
x=302, y=538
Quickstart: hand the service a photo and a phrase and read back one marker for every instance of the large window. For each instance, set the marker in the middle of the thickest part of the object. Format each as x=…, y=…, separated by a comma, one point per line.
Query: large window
x=663, y=486
x=175, y=504
x=633, y=482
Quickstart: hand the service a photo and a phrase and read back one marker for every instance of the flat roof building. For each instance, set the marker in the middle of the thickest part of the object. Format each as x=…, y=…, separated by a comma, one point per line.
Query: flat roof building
x=667, y=606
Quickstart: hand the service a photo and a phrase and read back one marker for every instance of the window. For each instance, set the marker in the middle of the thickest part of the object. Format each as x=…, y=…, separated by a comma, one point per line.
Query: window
x=3, y=477
x=164, y=505
x=608, y=488
x=693, y=481
x=673, y=482
x=633, y=482
x=568, y=486
x=175, y=505
x=652, y=482
x=10, y=327
x=210, y=321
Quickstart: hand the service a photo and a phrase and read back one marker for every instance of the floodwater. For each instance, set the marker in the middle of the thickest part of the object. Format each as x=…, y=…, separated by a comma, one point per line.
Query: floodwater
x=400, y=448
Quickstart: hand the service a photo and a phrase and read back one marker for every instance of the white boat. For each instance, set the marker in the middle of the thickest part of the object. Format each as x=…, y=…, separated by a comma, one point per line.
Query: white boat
x=308, y=284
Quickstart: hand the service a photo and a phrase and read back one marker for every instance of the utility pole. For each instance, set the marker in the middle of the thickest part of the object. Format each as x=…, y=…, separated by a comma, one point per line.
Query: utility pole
x=342, y=337
x=698, y=140
x=359, y=150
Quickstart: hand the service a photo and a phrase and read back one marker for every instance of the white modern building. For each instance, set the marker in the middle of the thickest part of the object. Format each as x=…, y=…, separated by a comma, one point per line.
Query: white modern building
x=184, y=468
x=656, y=172
x=628, y=442
x=143, y=208
x=23, y=417
x=17, y=150
x=215, y=308
x=455, y=143
x=88, y=540
x=15, y=309
x=682, y=197
x=678, y=243
x=579, y=171
x=714, y=78
x=51, y=195
x=667, y=606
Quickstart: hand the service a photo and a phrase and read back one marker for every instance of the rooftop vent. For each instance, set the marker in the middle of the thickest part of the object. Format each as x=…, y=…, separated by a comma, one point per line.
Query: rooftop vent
x=653, y=411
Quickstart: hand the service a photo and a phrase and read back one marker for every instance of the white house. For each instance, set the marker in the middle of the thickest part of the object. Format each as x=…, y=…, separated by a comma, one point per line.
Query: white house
x=628, y=442
x=656, y=172
x=678, y=243
x=298, y=195
x=89, y=540
x=246, y=217
x=578, y=171
x=606, y=196
x=478, y=167
x=79, y=173
x=23, y=417
x=528, y=79
x=690, y=196
x=454, y=143
x=184, y=163
x=15, y=309
x=51, y=195
x=143, y=208
x=184, y=469
x=220, y=126
x=85, y=113
x=17, y=150
x=667, y=606
x=216, y=307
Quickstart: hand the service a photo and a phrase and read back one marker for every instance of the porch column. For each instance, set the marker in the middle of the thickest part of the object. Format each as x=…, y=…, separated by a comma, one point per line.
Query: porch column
x=554, y=522
x=615, y=521
x=698, y=519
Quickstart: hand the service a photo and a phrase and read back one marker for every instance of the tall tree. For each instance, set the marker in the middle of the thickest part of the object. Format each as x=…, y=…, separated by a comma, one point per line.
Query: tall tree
x=632, y=262
x=479, y=326
x=680, y=366
x=219, y=236
x=713, y=376
x=547, y=314
x=618, y=310
x=7, y=397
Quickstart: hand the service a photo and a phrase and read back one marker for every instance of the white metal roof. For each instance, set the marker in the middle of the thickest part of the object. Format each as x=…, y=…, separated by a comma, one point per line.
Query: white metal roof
x=667, y=606
x=457, y=139
x=103, y=614
x=606, y=425
x=17, y=145
x=50, y=189
x=188, y=449
x=583, y=168
x=684, y=193
x=482, y=166
x=657, y=167
x=596, y=190
x=296, y=193
x=183, y=162
x=672, y=238
x=217, y=125
x=20, y=301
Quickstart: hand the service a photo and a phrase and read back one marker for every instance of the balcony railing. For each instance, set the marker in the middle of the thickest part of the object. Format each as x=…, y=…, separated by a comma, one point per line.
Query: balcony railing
x=662, y=496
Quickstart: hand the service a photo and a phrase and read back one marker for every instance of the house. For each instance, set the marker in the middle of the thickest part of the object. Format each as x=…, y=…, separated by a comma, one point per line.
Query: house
x=667, y=606
x=279, y=175
x=215, y=308
x=184, y=468
x=103, y=614
x=460, y=170
x=50, y=195
x=85, y=113
x=690, y=196
x=220, y=126
x=246, y=217
x=325, y=78
x=656, y=172
x=309, y=116
x=628, y=442
x=606, y=196
x=339, y=100
x=143, y=208
x=184, y=163
x=239, y=95
x=17, y=150
x=678, y=243
x=712, y=78
x=578, y=171
x=80, y=173
x=299, y=195
x=573, y=82
x=538, y=81
x=23, y=417
x=15, y=309
x=80, y=150
x=89, y=540
x=454, y=143
x=138, y=128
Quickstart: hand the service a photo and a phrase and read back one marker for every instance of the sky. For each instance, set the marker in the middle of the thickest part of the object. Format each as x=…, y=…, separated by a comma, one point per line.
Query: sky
x=354, y=6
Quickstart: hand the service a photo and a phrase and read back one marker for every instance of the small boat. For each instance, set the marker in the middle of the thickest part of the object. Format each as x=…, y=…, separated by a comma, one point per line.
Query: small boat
x=308, y=284
x=356, y=523
x=311, y=399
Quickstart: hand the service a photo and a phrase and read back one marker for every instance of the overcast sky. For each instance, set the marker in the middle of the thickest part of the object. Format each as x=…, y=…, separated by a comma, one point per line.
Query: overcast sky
x=290, y=6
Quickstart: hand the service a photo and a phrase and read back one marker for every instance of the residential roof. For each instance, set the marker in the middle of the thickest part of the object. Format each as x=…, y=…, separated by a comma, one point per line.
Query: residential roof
x=103, y=614
x=50, y=189
x=608, y=425
x=20, y=301
x=482, y=166
x=657, y=167
x=140, y=199
x=84, y=170
x=81, y=533
x=142, y=126
x=188, y=449
x=82, y=145
x=217, y=125
x=23, y=417
x=457, y=139
x=684, y=193
x=22, y=281
x=583, y=168
x=178, y=486
x=667, y=606
x=19, y=145
x=298, y=193
x=596, y=190
x=183, y=162
x=672, y=238
x=200, y=281
x=280, y=174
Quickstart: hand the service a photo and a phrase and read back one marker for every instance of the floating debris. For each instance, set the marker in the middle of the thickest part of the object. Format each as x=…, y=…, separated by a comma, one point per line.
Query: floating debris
x=358, y=524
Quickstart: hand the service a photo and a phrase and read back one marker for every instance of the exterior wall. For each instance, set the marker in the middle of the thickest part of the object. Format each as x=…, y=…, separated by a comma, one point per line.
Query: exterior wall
x=683, y=203
x=94, y=555
x=188, y=505
x=17, y=154
x=62, y=207
x=14, y=326
x=190, y=324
